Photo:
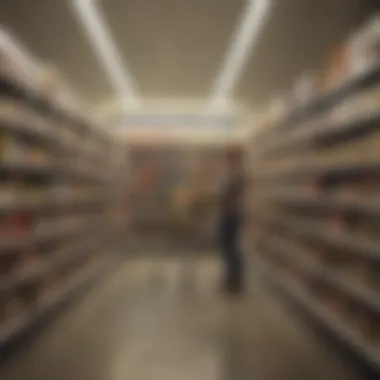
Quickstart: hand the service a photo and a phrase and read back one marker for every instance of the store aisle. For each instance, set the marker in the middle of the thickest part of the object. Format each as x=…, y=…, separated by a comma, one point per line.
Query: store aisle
x=164, y=320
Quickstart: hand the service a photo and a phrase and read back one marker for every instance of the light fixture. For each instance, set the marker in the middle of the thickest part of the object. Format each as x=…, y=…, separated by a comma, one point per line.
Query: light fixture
x=253, y=20
x=95, y=26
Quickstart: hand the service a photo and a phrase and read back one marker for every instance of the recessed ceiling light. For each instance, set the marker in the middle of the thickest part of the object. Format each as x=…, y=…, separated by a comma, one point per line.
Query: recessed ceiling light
x=104, y=47
x=254, y=18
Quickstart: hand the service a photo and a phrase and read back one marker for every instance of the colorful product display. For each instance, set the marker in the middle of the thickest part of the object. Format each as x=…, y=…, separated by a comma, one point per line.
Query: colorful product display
x=164, y=177
x=315, y=205
x=62, y=186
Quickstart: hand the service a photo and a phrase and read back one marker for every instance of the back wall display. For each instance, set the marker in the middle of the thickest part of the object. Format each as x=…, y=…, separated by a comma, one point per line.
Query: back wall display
x=172, y=168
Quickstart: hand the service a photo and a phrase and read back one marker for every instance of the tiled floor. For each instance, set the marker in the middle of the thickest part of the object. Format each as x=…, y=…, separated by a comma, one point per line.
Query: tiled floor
x=163, y=319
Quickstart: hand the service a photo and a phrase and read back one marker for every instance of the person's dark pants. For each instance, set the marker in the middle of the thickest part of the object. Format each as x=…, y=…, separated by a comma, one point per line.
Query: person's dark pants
x=229, y=240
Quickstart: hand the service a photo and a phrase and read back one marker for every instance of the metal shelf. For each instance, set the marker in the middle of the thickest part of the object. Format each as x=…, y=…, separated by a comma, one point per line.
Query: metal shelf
x=58, y=259
x=366, y=205
x=27, y=167
x=20, y=324
x=49, y=200
x=57, y=230
x=22, y=278
x=329, y=319
x=306, y=167
x=66, y=254
x=324, y=141
x=53, y=168
x=320, y=132
x=301, y=256
x=30, y=124
x=359, y=292
x=79, y=167
x=14, y=89
x=324, y=102
x=349, y=242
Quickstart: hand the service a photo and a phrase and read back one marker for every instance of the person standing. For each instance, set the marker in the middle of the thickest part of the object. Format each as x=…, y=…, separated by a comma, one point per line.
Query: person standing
x=230, y=222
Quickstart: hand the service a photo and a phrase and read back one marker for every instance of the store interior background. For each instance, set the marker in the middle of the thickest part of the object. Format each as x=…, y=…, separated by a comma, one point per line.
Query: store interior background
x=161, y=106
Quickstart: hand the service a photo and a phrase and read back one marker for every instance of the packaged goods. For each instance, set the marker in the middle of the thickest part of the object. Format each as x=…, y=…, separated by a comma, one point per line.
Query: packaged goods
x=323, y=256
x=42, y=125
x=37, y=155
x=337, y=69
x=366, y=324
x=364, y=47
x=14, y=308
x=277, y=110
x=370, y=327
x=355, y=271
x=7, y=267
x=7, y=195
x=374, y=277
x=329, y=154
x=3, y=310
x=29, y=295
x=11, y=67
x=305, y=89
x=28, y=258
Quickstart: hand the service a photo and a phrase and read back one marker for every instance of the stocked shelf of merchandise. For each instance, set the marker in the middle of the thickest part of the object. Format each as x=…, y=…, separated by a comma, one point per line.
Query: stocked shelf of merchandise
x=314, y=208
x=179, y=168
x=302, y=123
x=62, y=186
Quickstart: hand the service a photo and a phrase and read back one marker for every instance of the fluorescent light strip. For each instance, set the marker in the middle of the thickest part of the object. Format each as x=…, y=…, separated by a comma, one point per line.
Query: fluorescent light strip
x=254, y=18
x=19, y=54
x=106, y=51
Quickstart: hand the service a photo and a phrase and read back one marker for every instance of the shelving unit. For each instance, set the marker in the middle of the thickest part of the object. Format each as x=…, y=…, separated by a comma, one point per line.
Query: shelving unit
x=314, y=210
x=62, y=195
x=178, y=167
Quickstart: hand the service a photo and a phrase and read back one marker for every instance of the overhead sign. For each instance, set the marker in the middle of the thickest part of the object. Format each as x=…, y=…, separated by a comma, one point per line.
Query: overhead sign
x=178, y=135
x=174, y=120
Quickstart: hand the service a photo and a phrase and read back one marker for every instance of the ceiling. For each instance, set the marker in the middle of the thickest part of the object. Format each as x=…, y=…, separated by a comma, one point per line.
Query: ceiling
x=174, y=47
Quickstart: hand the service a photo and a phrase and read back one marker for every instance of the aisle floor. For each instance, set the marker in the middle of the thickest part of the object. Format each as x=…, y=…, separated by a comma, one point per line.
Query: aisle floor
x=163, y=319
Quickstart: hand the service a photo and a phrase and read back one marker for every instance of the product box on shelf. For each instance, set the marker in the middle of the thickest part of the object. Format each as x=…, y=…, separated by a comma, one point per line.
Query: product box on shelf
x=337, y=69
x=278, y=109
x=361, y=106
x=305, y=89
x=55, y=159
x=11, y=68
x=50, y=83
x=326, y=240
x=364, y=47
